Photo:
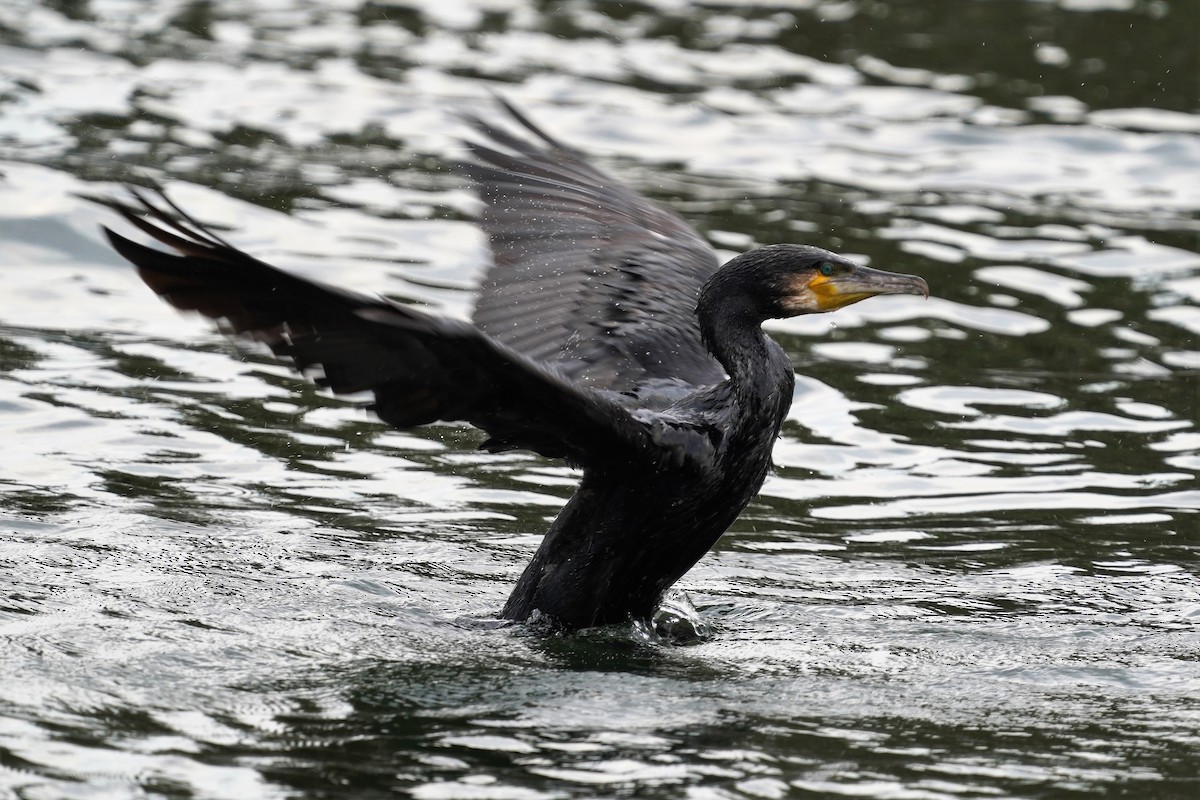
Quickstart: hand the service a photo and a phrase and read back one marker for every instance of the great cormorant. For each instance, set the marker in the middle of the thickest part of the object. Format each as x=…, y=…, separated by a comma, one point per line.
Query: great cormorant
x=605, y=333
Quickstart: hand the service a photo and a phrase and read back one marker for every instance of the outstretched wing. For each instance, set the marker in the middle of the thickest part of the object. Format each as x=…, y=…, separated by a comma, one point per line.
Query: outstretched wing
x=587, y=273
x=421, y=368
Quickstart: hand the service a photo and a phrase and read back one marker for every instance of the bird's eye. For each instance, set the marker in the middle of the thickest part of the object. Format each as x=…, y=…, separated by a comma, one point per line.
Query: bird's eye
x=826, y=268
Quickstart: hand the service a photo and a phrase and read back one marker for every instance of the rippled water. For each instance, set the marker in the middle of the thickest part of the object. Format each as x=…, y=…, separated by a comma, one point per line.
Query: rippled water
x=974, y=573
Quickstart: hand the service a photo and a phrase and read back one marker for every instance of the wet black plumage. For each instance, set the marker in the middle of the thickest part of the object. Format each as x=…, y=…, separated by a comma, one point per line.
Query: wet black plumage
x=604, y=334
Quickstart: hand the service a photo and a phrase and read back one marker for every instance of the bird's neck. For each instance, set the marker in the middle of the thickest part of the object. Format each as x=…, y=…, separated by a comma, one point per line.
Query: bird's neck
x=732, y=331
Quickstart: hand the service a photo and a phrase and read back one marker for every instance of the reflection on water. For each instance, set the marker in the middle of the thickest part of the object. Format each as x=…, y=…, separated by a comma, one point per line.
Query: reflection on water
x=973, y=573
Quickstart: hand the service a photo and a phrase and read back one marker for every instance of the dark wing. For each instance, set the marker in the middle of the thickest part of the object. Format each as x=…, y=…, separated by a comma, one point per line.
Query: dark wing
x=587, y=273
x=420, y=368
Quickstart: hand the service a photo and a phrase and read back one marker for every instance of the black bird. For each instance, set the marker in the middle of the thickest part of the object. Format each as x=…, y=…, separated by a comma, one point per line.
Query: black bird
x=605, y=334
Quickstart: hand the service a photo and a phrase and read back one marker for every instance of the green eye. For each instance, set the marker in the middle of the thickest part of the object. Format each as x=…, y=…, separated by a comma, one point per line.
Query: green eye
x=826, y=268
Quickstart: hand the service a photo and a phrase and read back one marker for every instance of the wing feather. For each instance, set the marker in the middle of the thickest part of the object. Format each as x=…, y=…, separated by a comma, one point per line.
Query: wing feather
x=421, y=368
x=587, y=274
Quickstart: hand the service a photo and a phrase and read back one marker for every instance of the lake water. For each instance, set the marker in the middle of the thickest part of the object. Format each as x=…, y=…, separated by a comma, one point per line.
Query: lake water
x=972, y=575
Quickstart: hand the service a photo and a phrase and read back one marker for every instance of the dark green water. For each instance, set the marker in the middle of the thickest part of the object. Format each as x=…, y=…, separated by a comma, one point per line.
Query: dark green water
x=973, y=575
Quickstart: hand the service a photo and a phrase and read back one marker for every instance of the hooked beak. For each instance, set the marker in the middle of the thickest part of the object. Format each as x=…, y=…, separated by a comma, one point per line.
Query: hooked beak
x=834, y=292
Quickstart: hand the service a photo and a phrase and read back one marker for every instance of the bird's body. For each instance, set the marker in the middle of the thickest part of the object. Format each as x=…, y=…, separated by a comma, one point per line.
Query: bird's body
x=605, y=334
x=633, y=528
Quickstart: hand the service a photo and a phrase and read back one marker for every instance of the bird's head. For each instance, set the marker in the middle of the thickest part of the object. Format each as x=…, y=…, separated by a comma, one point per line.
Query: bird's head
x=809, y=280
x=785, y=280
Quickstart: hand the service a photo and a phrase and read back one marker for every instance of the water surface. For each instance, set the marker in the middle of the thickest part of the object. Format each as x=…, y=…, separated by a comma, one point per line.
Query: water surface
x=973, y=574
